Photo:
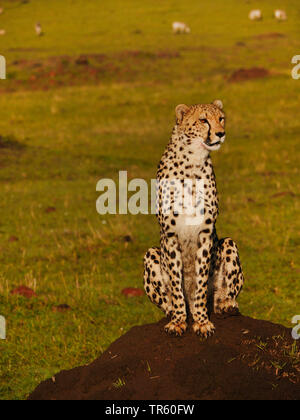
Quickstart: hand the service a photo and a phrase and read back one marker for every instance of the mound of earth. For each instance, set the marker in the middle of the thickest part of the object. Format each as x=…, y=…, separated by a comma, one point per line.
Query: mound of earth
x=86, y=69
x=245, y=359
x=271, y=35
x=247, y=74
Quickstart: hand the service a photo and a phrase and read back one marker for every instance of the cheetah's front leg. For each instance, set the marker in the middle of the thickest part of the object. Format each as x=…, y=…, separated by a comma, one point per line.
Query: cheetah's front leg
x=154, y=283
x=228, y=278
x=172, y=267
x=202, y=325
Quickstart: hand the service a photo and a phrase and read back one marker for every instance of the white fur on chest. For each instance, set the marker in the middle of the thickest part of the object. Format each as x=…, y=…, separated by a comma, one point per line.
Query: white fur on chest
x=186, y=231
x=194, y=169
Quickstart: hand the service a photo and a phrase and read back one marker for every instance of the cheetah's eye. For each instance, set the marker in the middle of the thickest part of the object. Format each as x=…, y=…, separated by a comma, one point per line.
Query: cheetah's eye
x=222, y=119
x=204, y=121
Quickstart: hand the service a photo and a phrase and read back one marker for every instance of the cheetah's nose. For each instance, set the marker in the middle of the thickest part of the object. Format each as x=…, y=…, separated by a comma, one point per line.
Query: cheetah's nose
x=220, y=134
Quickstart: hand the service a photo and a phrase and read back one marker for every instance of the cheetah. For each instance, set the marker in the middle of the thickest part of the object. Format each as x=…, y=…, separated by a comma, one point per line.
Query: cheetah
x=192, y=270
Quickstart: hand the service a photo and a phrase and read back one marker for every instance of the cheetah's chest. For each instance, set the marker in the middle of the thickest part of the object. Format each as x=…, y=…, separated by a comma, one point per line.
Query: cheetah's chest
x=194, y=188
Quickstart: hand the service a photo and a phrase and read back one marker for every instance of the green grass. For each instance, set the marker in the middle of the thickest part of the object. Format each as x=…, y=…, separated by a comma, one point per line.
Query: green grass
x=58, y=142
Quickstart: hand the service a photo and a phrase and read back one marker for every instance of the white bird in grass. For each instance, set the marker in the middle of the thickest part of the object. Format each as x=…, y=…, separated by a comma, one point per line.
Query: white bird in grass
x=255, y=14
x=180, y=28
x=38, y=29
x=280, y=15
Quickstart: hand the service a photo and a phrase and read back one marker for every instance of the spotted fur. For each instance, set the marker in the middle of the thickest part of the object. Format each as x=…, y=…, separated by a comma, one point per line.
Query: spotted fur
x=192, y=265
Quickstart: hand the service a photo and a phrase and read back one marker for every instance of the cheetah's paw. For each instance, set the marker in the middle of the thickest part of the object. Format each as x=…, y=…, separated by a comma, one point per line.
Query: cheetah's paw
x=205, y=329
x=177, y=328
x=227, y=310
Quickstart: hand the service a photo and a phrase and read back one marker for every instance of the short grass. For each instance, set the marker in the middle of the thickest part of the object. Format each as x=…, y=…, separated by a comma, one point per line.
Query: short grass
x=58, y=142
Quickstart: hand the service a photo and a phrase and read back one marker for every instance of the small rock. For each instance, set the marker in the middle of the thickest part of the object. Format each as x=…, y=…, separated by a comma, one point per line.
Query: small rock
x=127, y=238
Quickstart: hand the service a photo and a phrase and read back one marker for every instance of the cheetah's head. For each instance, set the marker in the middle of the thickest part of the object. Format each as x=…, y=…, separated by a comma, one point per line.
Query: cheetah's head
x=202, y=124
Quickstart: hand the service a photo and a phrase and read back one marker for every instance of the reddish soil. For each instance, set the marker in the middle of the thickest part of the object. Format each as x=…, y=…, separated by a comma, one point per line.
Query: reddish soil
x=50, y=209
x=247, y=74
x=13, y=238
x=246, y=359
x=271, y=35
x=54, y=72
x=283, y=194
x=23, y=291
x=132, y=292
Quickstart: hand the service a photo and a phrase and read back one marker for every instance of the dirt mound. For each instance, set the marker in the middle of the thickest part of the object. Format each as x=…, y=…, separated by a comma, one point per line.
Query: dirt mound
x=271, y=35
x=247, y=74
x=246, y=359
x=10, y=143
x=85, y=69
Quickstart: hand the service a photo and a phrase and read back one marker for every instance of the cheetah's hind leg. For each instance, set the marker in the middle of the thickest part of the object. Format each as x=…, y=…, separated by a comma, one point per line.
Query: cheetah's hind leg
x=153, y=281
x=228, y=279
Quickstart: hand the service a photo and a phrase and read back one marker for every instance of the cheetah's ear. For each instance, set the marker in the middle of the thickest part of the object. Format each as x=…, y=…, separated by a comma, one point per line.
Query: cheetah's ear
x=180, y=111
x=218, y=104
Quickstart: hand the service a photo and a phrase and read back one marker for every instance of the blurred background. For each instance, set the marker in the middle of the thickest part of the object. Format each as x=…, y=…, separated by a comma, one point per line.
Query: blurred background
x=91, y=89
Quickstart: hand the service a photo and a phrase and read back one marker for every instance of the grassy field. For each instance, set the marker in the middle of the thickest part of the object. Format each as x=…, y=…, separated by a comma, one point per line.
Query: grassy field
x=65, y=124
